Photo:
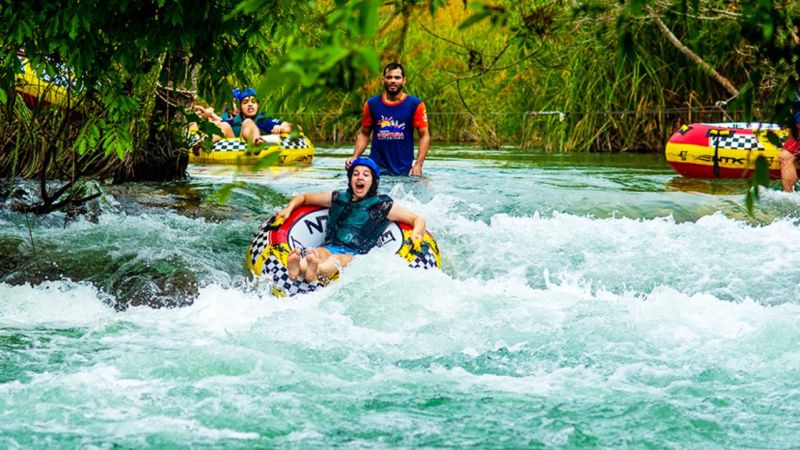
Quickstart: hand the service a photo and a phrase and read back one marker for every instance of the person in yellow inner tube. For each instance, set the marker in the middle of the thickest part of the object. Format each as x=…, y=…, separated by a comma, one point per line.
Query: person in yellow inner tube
x=248, y=124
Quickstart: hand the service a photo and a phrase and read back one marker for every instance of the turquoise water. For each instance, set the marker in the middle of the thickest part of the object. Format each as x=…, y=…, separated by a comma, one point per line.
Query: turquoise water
x=586, y=301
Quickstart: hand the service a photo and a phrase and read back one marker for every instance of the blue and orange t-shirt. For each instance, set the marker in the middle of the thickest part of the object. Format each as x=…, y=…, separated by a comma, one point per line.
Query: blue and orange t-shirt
x=393, y=127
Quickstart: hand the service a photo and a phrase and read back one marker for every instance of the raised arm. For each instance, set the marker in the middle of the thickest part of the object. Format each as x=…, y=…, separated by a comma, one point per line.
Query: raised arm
x=323, y=199
x=206, y=113
x=400, y=214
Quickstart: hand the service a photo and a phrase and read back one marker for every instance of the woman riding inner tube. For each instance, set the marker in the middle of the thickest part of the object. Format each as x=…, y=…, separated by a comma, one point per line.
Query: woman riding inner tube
x=356, y=219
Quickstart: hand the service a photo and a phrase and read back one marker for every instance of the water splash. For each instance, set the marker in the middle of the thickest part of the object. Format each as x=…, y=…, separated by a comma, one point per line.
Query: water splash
x=609, y=312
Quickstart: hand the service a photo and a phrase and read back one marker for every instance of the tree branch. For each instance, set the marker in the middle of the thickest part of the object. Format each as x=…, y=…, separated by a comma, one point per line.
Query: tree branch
x=76, y=201
x=692, y=55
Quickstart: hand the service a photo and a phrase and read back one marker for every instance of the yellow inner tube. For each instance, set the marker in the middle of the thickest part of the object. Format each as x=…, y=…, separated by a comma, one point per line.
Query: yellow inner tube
x=293, y=150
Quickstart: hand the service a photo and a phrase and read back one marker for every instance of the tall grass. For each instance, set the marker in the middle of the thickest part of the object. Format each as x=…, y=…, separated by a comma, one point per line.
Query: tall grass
x=575, y=89
x=571, y=87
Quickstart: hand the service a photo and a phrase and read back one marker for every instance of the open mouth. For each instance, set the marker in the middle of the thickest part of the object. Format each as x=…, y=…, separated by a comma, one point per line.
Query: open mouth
x=359, y=187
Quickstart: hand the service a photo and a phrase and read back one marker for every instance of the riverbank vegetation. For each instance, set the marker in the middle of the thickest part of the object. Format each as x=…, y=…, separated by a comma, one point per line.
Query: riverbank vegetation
x=596, y=76
x=544, y=75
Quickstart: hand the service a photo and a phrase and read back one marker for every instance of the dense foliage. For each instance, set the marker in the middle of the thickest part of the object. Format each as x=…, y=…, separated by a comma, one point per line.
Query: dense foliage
x=127, y=64
x=598, y=75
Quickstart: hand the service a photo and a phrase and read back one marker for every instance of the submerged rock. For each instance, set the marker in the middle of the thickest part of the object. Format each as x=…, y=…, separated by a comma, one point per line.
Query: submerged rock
x=127, y=281
x=132, y=243
x=157, y=284
x=10, y=259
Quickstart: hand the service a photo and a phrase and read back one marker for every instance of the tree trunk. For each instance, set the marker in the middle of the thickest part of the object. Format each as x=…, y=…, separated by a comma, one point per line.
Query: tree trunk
x=158, y=153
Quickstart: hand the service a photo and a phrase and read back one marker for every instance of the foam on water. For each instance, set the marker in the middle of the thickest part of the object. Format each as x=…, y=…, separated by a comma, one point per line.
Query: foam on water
x=56, y=304
x=545, y=328
x=374, y=354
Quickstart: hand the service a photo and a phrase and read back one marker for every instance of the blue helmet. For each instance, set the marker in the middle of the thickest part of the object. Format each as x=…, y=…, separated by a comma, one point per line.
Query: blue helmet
x=376, y=173
x=241, y=94
x=364, y=161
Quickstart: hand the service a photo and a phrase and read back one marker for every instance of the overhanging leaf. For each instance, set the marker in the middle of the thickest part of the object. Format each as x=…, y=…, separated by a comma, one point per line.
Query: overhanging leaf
x=761, y=174
x=221, y=196
x=368, y=18
x=474, y=19
x=759, y=179
x=774, y=139
x=370, y=57
x=270, y=160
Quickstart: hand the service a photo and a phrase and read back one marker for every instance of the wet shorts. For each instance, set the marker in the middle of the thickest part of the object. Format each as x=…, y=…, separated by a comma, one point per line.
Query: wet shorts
x=340, y=249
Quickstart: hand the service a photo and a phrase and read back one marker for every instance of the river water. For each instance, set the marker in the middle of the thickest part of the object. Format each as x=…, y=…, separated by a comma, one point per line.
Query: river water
x=584, y=301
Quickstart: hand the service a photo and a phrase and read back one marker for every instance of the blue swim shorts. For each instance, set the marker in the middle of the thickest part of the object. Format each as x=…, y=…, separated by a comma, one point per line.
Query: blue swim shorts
x=341, y=249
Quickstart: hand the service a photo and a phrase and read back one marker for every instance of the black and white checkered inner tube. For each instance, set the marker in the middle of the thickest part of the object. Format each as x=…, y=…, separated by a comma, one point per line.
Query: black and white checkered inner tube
x=305, y=228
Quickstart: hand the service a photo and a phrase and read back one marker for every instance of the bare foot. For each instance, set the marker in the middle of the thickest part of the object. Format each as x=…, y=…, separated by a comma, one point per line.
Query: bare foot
x=312, y=259
x=293, y=264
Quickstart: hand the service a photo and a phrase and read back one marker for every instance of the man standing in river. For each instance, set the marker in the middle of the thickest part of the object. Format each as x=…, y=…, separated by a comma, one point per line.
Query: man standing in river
x=391, y=119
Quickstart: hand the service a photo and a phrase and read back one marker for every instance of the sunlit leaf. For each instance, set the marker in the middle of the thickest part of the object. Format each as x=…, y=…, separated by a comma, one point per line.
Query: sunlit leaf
x=368, y=18
x=759, y=179
x=749, y=199
x=269, y=160
x=209, y=128
x=74, y=26
x=222, y=194
x=474, y=19
x=761, y=174
x=370, y=57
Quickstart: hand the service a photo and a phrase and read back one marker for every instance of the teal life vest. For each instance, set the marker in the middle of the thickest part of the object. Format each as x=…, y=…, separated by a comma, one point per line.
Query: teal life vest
x=358, y=224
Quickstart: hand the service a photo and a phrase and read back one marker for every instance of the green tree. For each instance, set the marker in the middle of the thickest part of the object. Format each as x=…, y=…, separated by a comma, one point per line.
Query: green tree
x=594, y=75
x=122, y=57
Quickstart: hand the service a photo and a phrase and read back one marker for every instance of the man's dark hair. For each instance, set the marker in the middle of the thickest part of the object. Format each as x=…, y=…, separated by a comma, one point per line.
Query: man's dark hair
x=394, y=65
